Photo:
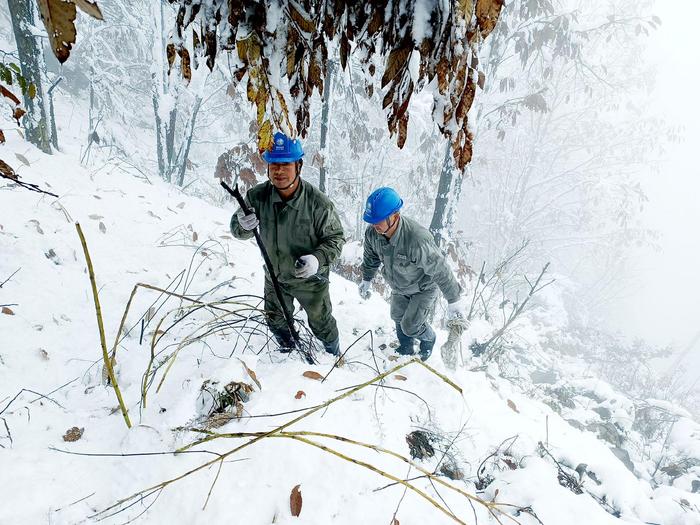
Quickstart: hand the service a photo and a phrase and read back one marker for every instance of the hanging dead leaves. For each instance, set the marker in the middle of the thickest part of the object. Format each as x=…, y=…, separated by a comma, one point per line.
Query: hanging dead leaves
x=375, y=31
x=11, y=74
x=59, y=19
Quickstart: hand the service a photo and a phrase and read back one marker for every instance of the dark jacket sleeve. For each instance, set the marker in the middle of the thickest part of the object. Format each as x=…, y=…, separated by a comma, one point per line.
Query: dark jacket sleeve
x=370, y=259
x=236, y=229
x=432, y=261
x=330, y=234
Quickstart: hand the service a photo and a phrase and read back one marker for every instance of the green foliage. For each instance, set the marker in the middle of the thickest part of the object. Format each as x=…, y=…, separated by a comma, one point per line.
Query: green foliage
x=10, y=73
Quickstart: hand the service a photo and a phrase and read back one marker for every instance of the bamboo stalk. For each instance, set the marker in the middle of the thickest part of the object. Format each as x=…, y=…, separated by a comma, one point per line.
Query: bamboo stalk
x=180, y=346
x=377, y=471
x=100, y=325
x=261, y=436
x=121, y=324
x=376, y=448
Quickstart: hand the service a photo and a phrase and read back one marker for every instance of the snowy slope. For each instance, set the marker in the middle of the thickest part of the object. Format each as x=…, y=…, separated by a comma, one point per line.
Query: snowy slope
x=146, y=233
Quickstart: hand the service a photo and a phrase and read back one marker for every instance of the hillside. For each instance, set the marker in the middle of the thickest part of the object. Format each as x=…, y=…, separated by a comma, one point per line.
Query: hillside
x=533, y=435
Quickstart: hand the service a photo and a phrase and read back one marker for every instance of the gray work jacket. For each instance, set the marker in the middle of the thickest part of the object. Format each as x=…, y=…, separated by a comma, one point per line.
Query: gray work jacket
x=411, y=261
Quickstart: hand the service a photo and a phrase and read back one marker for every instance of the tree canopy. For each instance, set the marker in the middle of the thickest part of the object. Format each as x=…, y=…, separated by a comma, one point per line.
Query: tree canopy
x=282, y=49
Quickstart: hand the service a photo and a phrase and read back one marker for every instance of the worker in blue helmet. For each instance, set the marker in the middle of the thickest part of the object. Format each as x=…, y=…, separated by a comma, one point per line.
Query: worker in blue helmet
x=414, y=267
x=303, y=235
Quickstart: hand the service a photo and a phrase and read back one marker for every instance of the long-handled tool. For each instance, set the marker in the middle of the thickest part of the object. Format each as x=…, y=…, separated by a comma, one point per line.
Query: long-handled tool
x=275, y=283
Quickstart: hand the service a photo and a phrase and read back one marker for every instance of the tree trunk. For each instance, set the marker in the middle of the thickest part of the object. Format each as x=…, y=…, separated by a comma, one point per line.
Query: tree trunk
x=170, y=144
x=188, y=142
x=159, y=129
x=30, y=60
x=324, y=124
x=52, y=114
x=442, y=199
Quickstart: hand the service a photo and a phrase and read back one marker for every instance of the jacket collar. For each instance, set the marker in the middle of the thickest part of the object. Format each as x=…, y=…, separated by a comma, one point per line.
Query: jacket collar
x=297, y=200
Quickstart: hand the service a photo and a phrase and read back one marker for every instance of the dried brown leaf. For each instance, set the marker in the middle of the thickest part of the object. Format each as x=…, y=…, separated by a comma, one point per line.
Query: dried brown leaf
x=2, y=137
x=465, y=9
x=442, y=67
x=512, y=406
x=18, y=113
x=487, y=12
x=305, y=24
x=265, y=136
x=7, y=311
x=73, y=434
x=397, y=61
x=295, y=501
x=403, y=130
x=185, y=64
x=344, y=51
x=9, y=94
x=89, y=7
x=170, y=52
x=59, y=19
x=251, y=374
x=299, y=394
x=261, y=103
x=399, y=377
x=313, y=375
x=7, y=171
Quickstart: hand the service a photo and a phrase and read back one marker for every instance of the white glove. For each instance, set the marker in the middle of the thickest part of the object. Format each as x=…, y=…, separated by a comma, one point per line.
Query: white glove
x=455, y=310
x=365, y=289
x=306, y=266
x=248, y=222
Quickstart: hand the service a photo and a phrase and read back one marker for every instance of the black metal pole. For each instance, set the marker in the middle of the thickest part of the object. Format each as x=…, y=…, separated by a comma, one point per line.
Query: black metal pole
x=275, y=283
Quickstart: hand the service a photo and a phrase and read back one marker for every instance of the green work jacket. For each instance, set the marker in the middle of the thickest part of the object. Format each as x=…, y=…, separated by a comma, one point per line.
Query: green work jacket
x=305, y=224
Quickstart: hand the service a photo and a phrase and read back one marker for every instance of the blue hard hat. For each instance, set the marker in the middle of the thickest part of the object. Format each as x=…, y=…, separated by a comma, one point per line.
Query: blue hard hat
x=382, y=203
x=283, y=150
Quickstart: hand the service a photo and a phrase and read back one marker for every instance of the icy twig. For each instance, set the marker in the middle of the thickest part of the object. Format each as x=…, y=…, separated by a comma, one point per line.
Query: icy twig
x=26, y=185
x=10, y=277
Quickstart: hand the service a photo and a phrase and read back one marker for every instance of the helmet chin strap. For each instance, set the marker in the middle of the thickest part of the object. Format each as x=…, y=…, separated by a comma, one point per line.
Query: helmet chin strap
x=296, y=178
x=291, y=184
x=389, y=227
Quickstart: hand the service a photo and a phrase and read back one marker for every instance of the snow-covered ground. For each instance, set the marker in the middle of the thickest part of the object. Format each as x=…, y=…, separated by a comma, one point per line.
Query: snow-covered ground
x=515, y=441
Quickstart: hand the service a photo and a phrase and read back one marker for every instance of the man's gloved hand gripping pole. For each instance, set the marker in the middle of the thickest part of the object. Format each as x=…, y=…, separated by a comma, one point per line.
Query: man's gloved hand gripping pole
x=275, y=283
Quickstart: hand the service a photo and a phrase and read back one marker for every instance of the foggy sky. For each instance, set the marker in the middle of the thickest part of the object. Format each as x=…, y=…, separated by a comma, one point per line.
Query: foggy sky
x=665, y=308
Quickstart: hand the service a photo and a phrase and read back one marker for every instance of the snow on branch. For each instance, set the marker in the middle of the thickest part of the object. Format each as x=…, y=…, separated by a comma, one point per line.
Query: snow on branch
x=402, y=46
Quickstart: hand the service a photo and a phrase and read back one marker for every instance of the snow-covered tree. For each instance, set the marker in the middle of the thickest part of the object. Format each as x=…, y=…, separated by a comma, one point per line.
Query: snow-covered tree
x=282, y=50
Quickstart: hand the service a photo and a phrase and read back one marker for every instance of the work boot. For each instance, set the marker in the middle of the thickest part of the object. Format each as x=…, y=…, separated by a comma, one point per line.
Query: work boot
x=427, y=342
x=284, y=339
x=405, y=342
x=333, y=347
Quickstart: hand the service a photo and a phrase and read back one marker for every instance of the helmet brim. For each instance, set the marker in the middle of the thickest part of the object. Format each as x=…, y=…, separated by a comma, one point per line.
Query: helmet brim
x=370, y=219
x=272, y=159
